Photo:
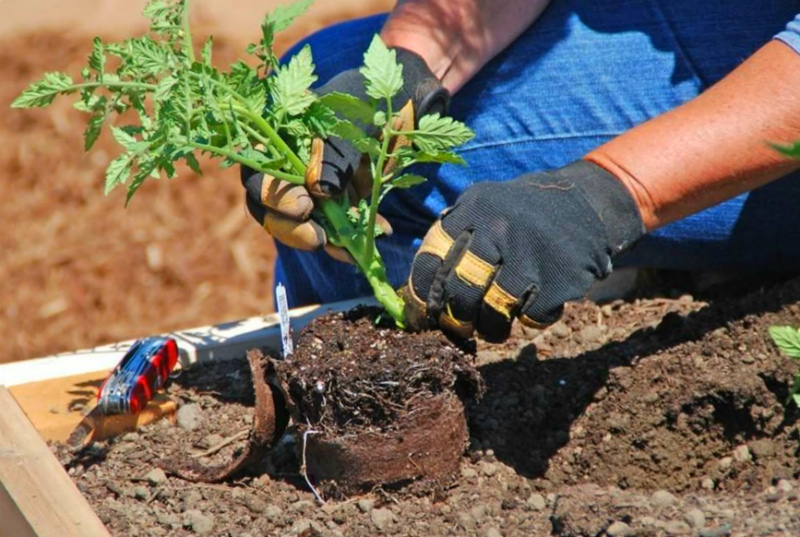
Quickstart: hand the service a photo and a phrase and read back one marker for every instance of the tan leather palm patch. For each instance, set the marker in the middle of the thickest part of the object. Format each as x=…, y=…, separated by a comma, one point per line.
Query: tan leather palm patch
x=290, y=200
x=314, y=169
x=299, y=235
x=437, y=242
x=530, y=323
x=451, y=325
x=500, y=300
x=403, y=122
x=474, y=270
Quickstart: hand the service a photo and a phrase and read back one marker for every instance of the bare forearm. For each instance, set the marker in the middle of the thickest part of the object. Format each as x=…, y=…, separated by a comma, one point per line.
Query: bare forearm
x=458, y=37
x=714, y=147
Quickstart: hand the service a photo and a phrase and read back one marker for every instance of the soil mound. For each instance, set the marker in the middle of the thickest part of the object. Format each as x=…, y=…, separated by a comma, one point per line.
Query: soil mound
x=695, y=401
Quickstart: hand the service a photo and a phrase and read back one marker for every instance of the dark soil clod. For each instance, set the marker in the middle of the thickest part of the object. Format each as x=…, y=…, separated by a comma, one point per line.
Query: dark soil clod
x=379, y=405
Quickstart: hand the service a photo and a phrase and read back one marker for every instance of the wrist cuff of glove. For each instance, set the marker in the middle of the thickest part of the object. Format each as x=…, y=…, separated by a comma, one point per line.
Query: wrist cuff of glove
x=429, y=96
x=609, y=198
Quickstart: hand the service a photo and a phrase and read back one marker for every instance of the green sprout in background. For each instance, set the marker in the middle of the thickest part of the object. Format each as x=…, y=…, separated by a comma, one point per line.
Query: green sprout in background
x=264, y=117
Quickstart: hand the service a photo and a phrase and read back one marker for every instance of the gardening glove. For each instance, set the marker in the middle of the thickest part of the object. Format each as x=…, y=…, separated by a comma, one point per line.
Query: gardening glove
x=520, y=249
x=284, y=209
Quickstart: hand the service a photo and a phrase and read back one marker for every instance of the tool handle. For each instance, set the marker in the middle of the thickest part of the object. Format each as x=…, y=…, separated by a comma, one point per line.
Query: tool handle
x=140, y=373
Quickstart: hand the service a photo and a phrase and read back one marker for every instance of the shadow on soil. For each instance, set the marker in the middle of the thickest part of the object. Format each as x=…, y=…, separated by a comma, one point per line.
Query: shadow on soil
x=530, y=404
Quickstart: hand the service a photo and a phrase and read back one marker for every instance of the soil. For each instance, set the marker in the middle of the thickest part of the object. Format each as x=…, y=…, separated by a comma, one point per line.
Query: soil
x=658, y=417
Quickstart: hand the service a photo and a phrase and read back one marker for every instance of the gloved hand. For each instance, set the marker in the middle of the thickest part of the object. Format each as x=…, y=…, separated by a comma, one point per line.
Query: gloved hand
x=520, y=249
x=284, y=209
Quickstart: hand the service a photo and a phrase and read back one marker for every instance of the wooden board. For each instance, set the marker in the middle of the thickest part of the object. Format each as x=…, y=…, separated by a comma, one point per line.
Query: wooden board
x=216, y=342
x=37, y=497
x=56, y=406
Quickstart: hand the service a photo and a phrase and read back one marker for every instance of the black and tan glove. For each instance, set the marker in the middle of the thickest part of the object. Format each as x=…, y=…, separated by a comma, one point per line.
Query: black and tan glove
x=520, y=249
x=284, y=209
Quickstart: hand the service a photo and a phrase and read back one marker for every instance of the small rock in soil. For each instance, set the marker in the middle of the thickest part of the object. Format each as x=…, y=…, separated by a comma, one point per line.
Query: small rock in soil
x=662, y=498
x=382, y=518
x=762, y=448
x=199, y=523
x=141, y=493
x=536, y=502
x=255, y=504
x=191, y=499
x=722, y=530
x=489, y=469
x=619, y=529
x=677, y=527
x=695, y=518
x=467, y=522
x=493, y=532
x=366, y=504
x=785, y=486
x=189, y=417
x=742, y=454
x=156, y=476
x=273, y=513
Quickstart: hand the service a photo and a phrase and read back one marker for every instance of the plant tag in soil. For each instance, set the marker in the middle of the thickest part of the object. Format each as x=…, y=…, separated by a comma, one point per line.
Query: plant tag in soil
x=286, y=327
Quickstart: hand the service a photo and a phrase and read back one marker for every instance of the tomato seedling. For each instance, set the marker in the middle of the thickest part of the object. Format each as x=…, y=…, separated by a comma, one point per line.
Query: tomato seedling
x=264, y=117
x=787, y=339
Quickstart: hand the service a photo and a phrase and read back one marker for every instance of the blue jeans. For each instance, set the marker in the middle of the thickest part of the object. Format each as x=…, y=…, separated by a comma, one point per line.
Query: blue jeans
x=585, y=72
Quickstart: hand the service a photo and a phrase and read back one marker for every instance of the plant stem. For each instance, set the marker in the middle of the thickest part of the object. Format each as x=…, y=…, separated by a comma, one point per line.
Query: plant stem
x=339, y=226
x=274, y=137
x=377, y=174
x=371, y=264
x=278, y=174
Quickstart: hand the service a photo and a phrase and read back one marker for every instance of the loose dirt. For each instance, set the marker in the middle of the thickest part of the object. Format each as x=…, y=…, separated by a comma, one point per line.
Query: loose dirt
x=653, y=417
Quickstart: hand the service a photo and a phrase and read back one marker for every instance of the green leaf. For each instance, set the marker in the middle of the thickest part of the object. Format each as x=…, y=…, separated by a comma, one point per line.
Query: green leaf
x=141, y=176
x=164, y=88
x=149, y=57
x=97, y=59
x=93, y=128
x=124, y=138
x=191, y=161
x=320, y=119
x=379, y=119
x=292, y=83
x=787, y=339
x=118, y=171
x=207, y=51
x=280, y=19
x=154, y=9
x=792, y=151
x=408, y=180
x=42, y=92
x=436, y=133
x=348, y=131
x=441, y=157
x=284, y=15
x=368, y=145
x=383, y=75
x=349, y=106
